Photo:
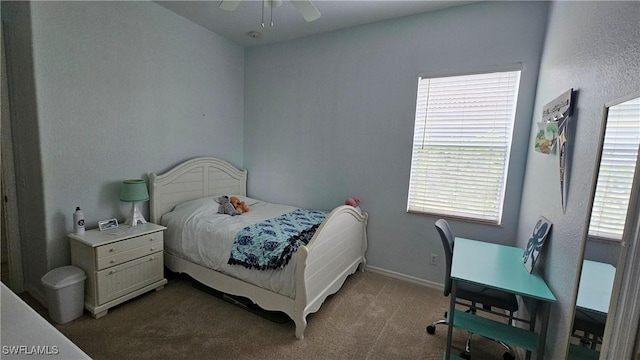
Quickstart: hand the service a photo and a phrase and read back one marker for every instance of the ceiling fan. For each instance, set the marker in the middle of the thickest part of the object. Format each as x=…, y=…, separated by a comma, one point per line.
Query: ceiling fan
x=305, y=7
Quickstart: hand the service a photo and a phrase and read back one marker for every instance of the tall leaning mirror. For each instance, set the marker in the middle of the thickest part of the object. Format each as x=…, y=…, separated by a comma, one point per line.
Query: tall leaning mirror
x=611, y=195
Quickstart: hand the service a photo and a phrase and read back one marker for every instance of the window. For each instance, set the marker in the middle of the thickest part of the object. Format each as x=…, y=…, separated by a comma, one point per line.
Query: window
x=617, y=168
x=461, y=145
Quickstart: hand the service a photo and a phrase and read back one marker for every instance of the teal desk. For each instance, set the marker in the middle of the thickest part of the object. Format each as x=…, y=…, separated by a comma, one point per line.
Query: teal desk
x=596, y=284
x=594, y=295
x=499, y=267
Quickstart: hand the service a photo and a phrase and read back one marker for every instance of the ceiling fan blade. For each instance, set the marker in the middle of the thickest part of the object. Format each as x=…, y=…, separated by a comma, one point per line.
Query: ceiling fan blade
x=307, y=9
x=229, y=5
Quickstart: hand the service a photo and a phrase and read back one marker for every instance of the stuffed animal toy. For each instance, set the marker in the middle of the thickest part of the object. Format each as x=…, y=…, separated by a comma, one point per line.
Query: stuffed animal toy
x=226, y=207
x=239, y=205
x=353, y=201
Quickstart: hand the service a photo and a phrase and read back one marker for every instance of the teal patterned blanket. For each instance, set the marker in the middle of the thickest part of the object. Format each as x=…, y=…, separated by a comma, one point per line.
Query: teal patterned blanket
x=271, y=243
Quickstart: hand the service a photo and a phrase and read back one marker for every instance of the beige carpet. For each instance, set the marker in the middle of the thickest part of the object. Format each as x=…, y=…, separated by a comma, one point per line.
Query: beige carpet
x=371, y=317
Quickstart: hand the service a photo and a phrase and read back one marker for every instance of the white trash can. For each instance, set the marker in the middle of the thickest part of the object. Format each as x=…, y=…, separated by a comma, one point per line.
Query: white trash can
x=64, y=288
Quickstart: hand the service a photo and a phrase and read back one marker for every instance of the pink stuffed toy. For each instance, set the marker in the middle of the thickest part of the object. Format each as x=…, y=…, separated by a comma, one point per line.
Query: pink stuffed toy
x=353, y=201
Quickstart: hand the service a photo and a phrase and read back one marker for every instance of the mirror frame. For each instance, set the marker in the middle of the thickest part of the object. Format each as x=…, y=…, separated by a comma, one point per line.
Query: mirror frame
x=620, y=331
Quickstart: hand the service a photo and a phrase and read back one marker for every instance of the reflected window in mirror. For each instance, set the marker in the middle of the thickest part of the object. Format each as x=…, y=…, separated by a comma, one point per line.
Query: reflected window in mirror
x=614, y=173
x=617, y=168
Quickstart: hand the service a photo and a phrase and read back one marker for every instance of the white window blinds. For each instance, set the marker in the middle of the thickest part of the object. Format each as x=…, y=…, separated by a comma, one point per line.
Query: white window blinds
x=617, y=168
x=461, y=145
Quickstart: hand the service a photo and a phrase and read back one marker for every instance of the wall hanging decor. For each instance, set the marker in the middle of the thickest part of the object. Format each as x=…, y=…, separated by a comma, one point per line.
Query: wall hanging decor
x=534, y=245
x=547, y=137
x=558, y=111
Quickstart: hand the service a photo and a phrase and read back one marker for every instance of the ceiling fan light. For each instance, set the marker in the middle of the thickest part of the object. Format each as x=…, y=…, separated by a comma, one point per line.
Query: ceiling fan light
x=229, y=5
x=272, y=3
x=307, y=9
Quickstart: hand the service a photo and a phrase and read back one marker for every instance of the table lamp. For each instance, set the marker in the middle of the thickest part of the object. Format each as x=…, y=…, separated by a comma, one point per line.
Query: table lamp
x=134, y=191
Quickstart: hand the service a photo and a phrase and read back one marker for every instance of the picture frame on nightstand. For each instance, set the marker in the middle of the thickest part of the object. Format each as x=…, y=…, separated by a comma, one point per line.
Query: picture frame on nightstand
x=108, y=224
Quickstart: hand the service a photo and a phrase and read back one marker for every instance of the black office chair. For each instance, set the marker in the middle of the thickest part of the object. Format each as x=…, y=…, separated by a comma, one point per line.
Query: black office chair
x=589, y=328
x=488, y=298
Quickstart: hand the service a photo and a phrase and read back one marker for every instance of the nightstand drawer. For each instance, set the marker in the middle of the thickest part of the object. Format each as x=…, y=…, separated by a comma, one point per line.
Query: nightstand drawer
x=125, y=278
x=124, y=256
x=129, y=244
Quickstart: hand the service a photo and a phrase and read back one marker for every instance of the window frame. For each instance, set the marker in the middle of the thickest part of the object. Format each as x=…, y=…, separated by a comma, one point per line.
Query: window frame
x=497, y=221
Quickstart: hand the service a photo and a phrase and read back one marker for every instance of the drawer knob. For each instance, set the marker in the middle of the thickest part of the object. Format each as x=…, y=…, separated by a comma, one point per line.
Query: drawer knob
x=112, y=272
x=152, y=249
x=111, y=250
x=151, y=239
x=113, y=261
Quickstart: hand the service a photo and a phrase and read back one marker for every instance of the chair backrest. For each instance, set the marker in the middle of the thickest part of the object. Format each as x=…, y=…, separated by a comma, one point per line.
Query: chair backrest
x=447, y=243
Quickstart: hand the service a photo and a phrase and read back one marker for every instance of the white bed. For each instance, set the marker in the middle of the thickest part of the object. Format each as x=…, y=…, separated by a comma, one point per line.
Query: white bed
x=315, y=271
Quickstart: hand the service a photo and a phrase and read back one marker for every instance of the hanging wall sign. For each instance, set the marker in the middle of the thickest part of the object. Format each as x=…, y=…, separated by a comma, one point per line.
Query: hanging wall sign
x=558, y=111
x=558, y=108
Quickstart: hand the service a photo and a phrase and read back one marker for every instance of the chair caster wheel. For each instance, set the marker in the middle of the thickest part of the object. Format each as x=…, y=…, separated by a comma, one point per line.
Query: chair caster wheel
x=465, y=355
x=508, y=356
x=431, y=329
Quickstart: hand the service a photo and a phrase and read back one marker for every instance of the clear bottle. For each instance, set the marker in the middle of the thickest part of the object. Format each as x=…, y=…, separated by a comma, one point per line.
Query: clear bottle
x=78, y=221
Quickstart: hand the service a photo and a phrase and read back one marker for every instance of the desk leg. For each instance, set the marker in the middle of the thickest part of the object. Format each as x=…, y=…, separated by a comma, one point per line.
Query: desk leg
x=542, y=337
x=450, y=313
x=532, y=322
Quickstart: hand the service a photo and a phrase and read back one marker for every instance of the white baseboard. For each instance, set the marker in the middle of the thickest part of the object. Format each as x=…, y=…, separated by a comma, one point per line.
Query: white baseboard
x=36, y=294
x=404, y=277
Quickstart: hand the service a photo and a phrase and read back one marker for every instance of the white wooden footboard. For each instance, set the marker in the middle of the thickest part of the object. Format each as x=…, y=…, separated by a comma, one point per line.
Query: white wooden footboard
x=334, y=252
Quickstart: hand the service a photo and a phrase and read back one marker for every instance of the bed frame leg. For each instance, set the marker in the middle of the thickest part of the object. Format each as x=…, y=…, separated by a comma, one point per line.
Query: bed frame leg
x=362, y=265
x=301, y=324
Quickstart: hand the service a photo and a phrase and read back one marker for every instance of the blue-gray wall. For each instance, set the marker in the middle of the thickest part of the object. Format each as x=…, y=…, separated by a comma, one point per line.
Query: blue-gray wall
x=113, y=90
x=103, y=91
x=332, y=116
x=594, y=48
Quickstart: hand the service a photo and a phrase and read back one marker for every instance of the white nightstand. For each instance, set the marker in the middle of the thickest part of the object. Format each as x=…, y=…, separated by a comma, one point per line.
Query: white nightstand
x=120, y=264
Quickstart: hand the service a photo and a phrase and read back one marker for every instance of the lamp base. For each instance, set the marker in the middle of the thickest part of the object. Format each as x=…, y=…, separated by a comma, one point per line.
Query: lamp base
x=135, y=216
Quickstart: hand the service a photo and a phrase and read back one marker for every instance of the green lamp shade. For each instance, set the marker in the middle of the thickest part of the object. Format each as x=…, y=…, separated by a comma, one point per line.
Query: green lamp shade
x=133, y=191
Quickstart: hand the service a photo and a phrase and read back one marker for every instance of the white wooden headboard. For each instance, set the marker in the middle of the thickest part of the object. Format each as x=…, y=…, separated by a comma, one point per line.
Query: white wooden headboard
x=193, y=179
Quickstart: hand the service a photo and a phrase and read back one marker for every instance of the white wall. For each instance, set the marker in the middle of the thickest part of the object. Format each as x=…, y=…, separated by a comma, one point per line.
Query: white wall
x=594, y=48
x=331, y=116
x=116, y=90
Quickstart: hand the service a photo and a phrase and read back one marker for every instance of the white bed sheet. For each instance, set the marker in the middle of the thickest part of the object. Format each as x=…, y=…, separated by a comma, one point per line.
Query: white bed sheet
x=196, y=232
